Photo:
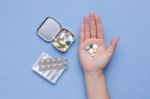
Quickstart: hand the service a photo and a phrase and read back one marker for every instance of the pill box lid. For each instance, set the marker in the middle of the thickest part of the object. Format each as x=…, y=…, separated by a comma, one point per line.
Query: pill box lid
x=49, y=29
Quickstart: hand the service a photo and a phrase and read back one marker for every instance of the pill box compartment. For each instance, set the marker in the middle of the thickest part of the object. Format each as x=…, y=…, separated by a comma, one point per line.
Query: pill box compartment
x=52, y=31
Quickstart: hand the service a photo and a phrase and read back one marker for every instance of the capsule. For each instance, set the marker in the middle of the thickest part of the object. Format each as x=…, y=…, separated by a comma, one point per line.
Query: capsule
x=56, y=44
x=71, y=38
x=62, y=43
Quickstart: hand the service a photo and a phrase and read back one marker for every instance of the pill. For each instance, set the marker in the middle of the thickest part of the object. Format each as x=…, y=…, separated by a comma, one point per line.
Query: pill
x=62, y=43
x=68, y=42
x=92, y=54
x=60, y=66
x=62, y=35
x=64, y=49
x=94, y=50
x=71, y=38
x=56, y=44
x=87, y=48
x=53, y=59
x=91, y=50
x=95, y=46
x=55, y=39
x=54, y=65
x=48, y=66
x=59, y=59
x=91, y=45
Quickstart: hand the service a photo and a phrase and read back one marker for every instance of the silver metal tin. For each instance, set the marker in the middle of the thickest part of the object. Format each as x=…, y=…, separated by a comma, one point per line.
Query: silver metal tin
x=50, y=29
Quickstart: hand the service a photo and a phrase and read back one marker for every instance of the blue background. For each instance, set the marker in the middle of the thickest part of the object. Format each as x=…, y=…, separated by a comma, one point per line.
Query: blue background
x=127, y=75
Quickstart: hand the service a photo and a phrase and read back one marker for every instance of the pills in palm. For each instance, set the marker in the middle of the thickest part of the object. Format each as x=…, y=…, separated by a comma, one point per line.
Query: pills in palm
x=91, y=48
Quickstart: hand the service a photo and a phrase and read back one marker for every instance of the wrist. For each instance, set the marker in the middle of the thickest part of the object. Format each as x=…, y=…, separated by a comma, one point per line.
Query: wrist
x=95, y=74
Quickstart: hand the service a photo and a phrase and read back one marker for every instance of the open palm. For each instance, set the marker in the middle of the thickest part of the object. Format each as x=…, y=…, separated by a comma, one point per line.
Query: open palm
x=92, y=32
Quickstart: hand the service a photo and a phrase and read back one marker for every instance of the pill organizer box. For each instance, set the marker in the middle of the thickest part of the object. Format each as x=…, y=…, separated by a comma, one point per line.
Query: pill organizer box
x=51, y=31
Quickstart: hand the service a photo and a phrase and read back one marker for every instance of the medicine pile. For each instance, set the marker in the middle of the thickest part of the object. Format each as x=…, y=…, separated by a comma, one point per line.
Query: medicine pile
x=63, y=40
x=91, y=48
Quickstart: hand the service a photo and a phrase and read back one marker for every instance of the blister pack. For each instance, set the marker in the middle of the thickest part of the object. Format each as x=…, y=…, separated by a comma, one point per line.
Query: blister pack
x=51, y=68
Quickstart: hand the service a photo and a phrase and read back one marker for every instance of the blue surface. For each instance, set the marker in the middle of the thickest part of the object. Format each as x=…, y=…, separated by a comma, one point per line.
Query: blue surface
x=127, y=75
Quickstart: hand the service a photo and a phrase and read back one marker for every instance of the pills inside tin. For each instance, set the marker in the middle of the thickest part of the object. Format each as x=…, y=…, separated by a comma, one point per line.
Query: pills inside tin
x=52, y=31
x=63, y=40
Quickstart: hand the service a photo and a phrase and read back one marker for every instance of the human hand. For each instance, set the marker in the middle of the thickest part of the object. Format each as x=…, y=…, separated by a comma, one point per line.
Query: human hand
x=92, y=32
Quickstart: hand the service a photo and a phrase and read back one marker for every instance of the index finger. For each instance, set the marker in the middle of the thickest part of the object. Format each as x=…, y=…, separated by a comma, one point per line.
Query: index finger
x=82, y=35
